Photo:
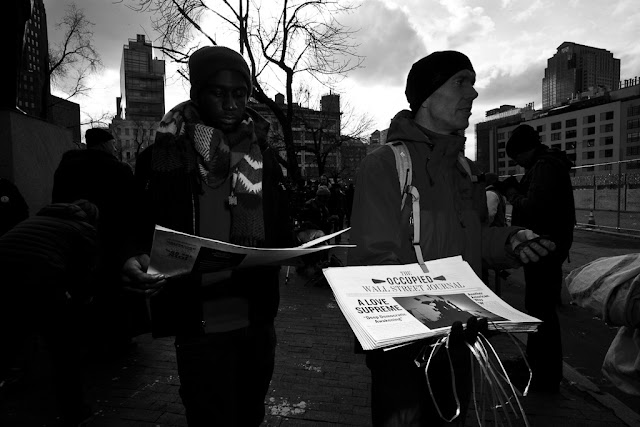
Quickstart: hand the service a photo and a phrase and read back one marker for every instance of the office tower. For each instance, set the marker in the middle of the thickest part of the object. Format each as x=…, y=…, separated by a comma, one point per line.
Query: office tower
x=33, y=82
x=141, y=82
x=575, y=69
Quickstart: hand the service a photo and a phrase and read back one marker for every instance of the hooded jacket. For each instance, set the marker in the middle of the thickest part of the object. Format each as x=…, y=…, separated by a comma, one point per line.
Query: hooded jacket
x=453, y=209
x=545, y=201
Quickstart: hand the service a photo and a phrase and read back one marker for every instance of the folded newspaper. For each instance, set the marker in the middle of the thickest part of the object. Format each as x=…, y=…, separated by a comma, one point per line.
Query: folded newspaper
x=388, y=305
x=176, y=254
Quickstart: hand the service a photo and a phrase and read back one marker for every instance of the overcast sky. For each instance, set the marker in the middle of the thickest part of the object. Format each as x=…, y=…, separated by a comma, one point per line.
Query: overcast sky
x=508, y=42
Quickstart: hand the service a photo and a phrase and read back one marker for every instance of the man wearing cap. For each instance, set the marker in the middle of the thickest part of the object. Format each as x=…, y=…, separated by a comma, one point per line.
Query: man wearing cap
x=96, y=174
x=211, y=173
x=453, y=212
x=543, y=201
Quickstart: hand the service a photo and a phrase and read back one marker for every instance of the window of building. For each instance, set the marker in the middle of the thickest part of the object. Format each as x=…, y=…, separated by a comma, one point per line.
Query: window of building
x=634, y=123
x=570, y=123
x=588, y=131
x=128, y=155
x=540, y=128
x=570, y=134
x=500, y=135
x=556, y=136
x=633, y=110
x=605, y=153
x=501, y=154
x=633, y=137
x=588, y=155
x=558, y=146
x=501, y=145
x=606, y=140
x=126, y=131
x=556, y=125
x=633, y=151
x=118, y=131
x=606, y=128
x=543, y=138
x=591, y=169
x=570, y=145
x=607, y=115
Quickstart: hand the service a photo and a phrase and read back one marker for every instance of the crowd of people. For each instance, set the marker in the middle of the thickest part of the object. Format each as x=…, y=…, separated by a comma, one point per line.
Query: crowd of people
x=211, y=173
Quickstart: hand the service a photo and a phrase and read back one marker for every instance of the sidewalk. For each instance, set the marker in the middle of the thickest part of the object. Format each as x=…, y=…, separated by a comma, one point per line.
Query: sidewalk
x=318, y=380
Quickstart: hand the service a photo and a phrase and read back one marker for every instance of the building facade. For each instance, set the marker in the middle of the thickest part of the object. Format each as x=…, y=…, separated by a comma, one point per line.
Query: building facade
x=576, y=68
x=140, y=106
x=141, y=82
x=599, y=132
x=33, y=80
x=314, y=132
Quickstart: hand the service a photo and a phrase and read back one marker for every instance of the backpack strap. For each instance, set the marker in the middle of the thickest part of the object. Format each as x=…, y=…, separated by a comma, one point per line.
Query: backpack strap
x=405, y=174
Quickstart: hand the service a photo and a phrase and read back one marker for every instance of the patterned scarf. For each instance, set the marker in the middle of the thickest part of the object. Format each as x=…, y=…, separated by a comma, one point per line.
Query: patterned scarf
x=184, y=144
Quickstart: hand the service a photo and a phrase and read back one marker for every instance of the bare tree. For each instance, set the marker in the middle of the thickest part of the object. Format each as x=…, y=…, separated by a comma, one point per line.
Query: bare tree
x=74, y=58
x=297, y=36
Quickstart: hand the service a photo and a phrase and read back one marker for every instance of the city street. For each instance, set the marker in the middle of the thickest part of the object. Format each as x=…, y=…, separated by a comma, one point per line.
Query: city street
x=319, y=381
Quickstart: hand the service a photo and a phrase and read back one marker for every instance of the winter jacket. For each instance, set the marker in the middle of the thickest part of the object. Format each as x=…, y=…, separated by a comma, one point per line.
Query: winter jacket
x=173, y=202
x=545, y=201
x=102, y=179
x=49, y=254
x=453, y=207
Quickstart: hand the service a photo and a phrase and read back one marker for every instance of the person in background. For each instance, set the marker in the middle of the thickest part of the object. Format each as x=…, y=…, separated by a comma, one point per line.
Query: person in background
x=453, y=209
x=543, y=201
x=13, y=207
x=496, y=201
x=47, y=263
x=211, y=173
x=96, y=174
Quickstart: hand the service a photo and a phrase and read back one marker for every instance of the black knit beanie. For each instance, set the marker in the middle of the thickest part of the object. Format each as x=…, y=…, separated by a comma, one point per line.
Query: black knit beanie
x=97, y=136
x=523, y=138
x=429, y=73
x=205, y=62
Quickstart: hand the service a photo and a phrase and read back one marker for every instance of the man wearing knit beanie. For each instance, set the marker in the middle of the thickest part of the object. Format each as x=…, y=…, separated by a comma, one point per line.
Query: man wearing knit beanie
x=543, y=201
x=211, y=173
x=451, y=202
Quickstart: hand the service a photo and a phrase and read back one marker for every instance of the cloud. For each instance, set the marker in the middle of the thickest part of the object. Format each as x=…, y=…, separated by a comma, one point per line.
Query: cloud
x=387, y=42
x=529, y=12
x=464, y=24
x=516, y=89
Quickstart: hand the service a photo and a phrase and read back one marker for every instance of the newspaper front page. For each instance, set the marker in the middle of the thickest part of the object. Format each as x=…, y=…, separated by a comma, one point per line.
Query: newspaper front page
x=387, y=305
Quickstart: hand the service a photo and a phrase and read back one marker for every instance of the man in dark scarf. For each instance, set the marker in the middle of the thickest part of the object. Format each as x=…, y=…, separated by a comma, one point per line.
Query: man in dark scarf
x=210, y=173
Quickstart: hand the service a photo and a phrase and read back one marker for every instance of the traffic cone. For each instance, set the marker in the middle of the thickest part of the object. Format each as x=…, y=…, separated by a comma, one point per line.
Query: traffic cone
x=591, y=220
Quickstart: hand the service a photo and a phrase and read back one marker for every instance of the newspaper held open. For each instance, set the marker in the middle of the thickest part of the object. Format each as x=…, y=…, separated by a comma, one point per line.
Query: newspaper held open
x=387, y=305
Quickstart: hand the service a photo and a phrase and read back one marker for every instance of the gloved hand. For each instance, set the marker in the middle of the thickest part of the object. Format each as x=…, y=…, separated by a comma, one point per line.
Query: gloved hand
x=528, y=247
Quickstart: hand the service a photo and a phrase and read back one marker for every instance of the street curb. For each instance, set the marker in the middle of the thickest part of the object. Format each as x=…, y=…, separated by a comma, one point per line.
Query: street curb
x=622, y=411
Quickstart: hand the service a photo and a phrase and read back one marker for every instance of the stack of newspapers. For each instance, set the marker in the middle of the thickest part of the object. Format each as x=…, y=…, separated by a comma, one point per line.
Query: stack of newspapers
x=389, y=305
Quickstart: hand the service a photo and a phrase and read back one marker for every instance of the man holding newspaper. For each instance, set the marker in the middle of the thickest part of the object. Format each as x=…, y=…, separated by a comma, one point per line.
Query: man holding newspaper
x=448, y=201
x=212, y=174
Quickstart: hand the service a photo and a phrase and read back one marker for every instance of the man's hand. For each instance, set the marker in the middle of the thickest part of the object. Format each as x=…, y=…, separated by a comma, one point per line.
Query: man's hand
x=134, y=273
x=529, y=247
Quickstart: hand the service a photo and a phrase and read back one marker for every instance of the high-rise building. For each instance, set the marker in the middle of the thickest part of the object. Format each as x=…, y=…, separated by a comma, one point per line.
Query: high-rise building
x=575, y=69
x=141, y=82
x=140, y=106
x=33, y=82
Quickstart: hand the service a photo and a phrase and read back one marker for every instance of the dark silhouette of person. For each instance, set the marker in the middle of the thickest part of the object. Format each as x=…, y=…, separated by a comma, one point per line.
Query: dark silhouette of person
x=543, y=201
x=96, y=174
x=47, y=262
x=13, y=207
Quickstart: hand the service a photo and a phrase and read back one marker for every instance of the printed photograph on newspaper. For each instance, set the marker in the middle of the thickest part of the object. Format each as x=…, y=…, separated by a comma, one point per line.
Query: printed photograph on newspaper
x=387, y=305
